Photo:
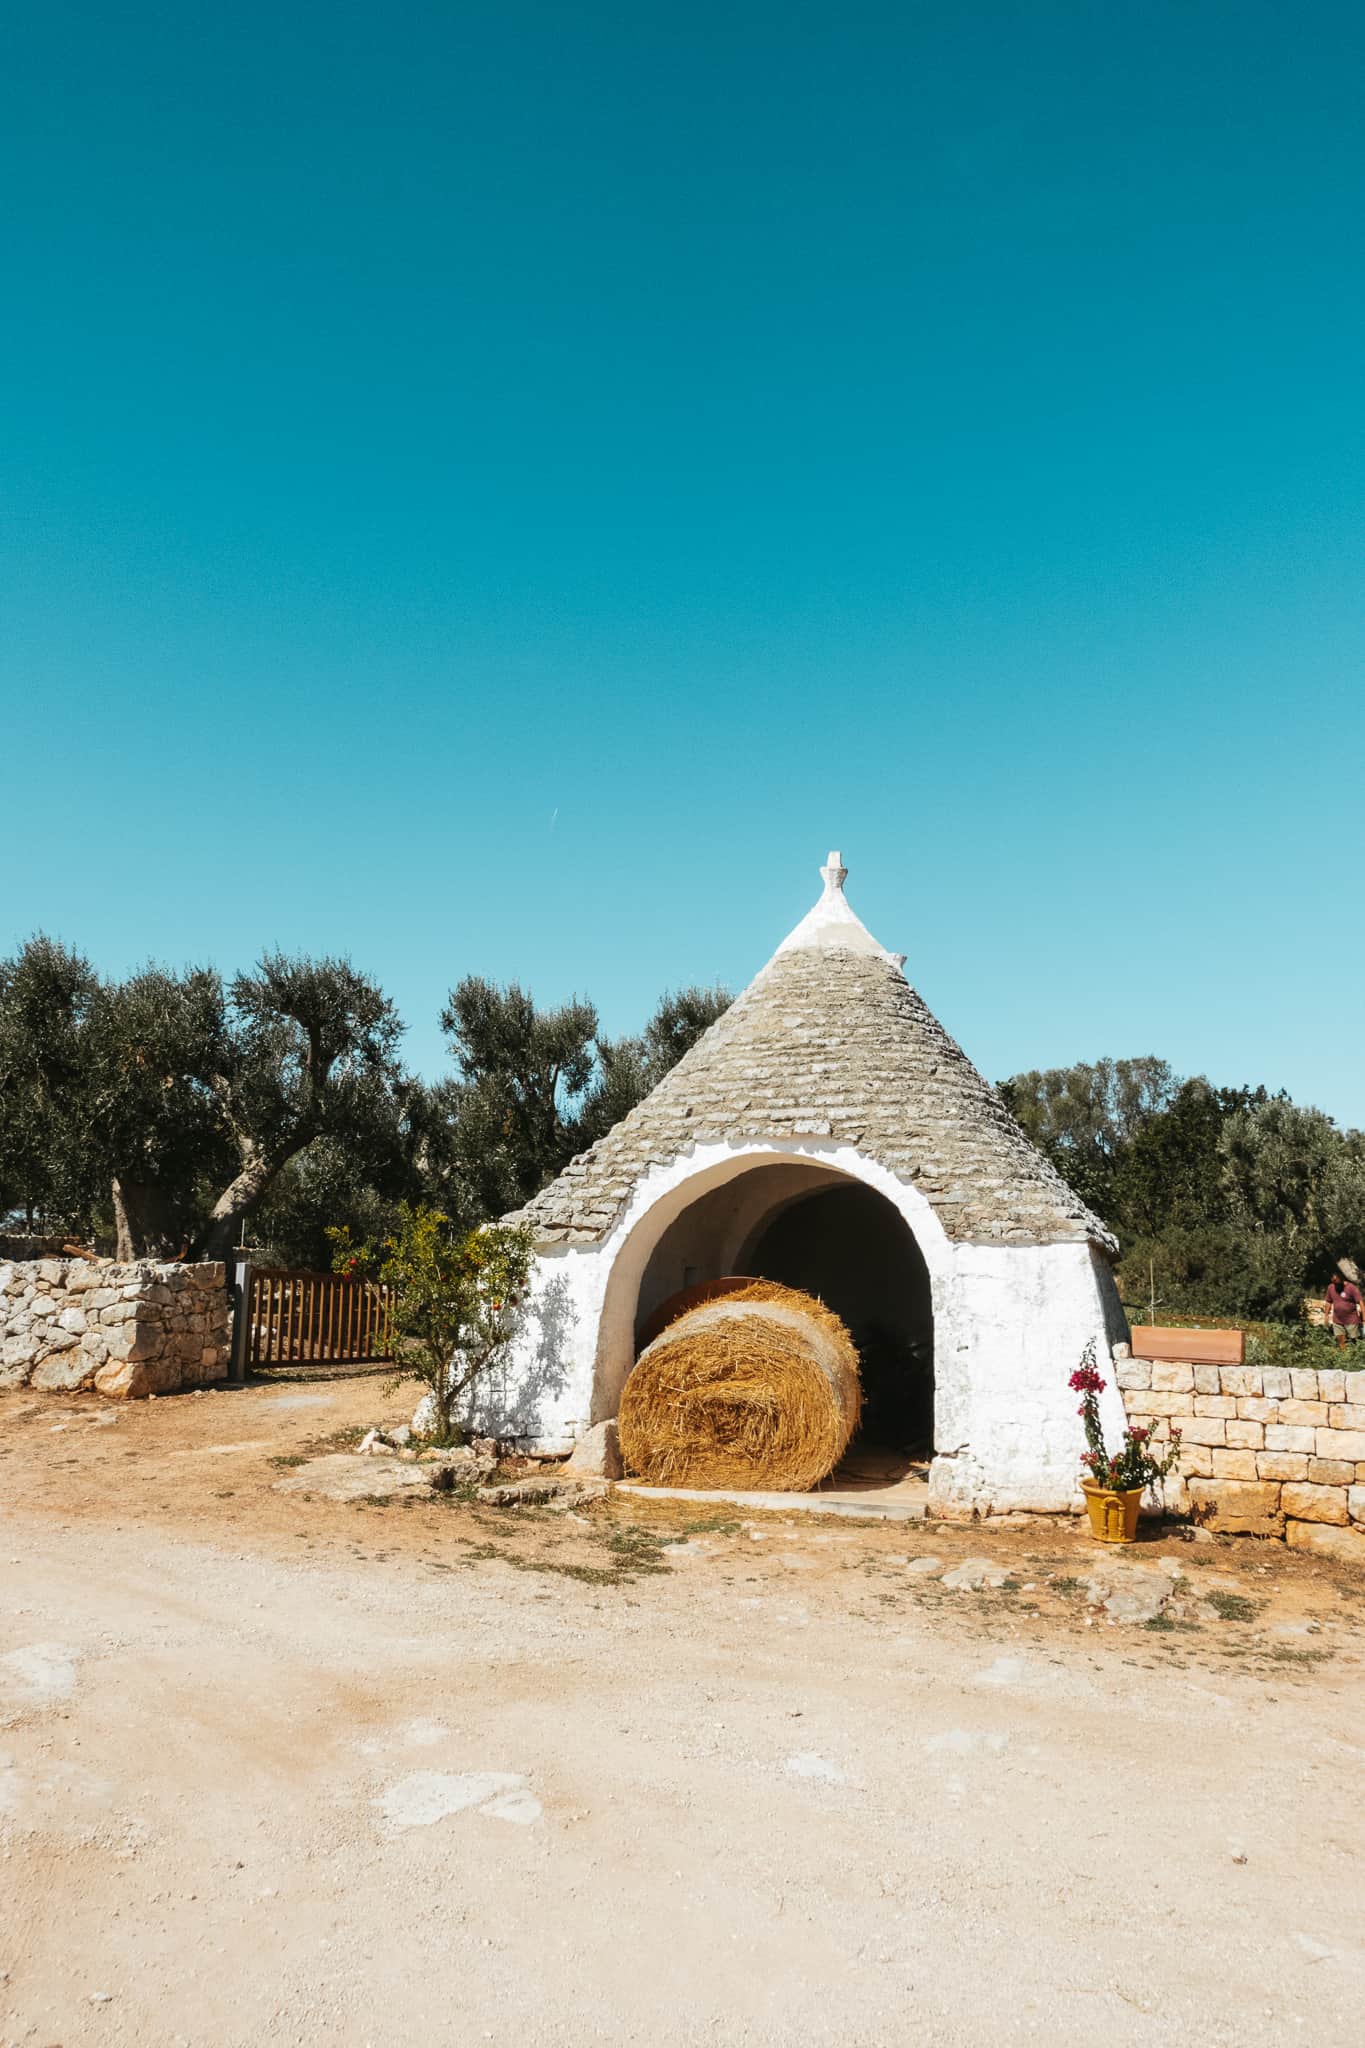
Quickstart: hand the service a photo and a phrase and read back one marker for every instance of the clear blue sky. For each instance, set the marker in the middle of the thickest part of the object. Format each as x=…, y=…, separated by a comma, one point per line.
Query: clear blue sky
x=503, y=488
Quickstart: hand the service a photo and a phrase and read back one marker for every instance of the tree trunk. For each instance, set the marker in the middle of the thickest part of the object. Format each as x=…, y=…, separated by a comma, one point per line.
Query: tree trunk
x=219, y=1234
x=141, y=1220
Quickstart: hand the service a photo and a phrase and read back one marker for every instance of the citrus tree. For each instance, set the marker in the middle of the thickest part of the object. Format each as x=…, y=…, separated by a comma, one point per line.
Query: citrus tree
x=455, y=1298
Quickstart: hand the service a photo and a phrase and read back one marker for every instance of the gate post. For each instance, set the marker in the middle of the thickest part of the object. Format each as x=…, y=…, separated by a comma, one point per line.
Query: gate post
x=241, y=1316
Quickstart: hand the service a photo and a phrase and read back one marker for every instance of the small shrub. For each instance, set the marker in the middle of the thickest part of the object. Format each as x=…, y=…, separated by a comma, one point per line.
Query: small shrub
x=1134, y=1464
x=1232, y=1606
x=456, y=1298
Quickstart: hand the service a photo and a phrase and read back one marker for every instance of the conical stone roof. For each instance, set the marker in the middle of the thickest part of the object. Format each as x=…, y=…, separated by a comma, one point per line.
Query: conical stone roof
x=829, y=1041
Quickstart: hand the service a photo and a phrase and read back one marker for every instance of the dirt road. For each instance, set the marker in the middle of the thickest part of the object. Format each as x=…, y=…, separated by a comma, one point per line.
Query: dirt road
x=280, y=1769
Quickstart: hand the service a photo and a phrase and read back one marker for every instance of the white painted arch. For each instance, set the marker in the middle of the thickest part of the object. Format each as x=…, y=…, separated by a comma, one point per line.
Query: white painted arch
x=667, y=1195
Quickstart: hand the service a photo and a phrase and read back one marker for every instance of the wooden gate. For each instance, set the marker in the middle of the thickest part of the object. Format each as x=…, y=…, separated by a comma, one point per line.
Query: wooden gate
x=314, y=1318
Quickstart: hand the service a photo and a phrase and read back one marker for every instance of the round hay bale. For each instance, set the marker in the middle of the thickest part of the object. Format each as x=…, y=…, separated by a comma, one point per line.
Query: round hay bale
x=757, y=1389
x=688, y=1297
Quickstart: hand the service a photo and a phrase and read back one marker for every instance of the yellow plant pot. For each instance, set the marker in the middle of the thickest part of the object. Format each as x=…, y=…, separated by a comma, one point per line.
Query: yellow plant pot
x=1113, y=1516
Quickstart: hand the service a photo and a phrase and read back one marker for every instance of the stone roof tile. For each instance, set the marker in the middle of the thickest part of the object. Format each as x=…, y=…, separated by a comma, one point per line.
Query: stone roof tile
x=906, y=1095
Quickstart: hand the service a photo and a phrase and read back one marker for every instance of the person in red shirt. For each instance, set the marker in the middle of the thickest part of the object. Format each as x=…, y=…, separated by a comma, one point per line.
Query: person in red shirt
x=1345, y=1310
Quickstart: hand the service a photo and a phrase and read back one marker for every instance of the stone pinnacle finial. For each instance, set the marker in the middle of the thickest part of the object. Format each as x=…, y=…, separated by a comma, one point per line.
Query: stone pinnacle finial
x=832, y=925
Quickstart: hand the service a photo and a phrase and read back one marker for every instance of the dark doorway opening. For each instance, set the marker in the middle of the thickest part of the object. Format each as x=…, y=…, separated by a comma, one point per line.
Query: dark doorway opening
x=849, y=1246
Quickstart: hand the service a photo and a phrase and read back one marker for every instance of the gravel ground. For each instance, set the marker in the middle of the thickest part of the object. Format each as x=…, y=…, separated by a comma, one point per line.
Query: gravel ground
x=281, y=1769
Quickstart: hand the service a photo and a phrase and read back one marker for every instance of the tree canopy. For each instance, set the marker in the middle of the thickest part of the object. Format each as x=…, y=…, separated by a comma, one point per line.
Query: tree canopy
x=1226, y=1201
x=165, y=1112
x=162, y=1109
x=534, y=1087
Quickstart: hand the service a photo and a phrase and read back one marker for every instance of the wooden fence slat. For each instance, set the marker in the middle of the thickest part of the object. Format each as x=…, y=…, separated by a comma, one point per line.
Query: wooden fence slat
x=299, y=1318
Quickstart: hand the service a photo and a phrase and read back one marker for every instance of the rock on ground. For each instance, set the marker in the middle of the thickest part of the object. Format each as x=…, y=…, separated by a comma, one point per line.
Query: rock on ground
x=597, y=1455
x=346, y=1476
x=974, y=1573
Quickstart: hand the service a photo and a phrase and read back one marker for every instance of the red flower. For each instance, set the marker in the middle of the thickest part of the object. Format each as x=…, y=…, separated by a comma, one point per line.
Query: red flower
x=1138, y=1436
x=1085, y=1380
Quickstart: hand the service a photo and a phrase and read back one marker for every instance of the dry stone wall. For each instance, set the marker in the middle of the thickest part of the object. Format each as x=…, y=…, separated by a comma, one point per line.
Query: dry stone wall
x=1267, y=1450
x=121, y=1330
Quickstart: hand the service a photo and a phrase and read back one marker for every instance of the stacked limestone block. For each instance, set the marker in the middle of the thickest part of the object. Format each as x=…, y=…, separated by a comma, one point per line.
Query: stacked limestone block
x=121, y=1330
x=1268, y=1450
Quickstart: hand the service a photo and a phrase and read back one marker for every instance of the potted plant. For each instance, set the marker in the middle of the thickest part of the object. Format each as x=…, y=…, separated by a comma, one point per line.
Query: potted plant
x=1114, y=1486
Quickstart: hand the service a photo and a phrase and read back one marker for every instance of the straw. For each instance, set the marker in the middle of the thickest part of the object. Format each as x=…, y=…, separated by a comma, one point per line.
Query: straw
x=756, y=1390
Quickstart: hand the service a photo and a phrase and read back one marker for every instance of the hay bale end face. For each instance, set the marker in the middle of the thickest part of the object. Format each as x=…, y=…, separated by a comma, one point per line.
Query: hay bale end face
x=756, y=1389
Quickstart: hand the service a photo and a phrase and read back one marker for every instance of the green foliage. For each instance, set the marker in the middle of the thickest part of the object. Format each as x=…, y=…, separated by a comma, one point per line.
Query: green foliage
x=1167, y=1169
x=48, y=1157
x=534, y=1087
x=172, y=1102
x=1300, y=1344
x=165, y=1110
x=456, y=1297
x=1227, y=1202
x=1232, y=1606
x=629, y=1067
x=330, y=1182
x=522, y=1072
x=1085, y=1116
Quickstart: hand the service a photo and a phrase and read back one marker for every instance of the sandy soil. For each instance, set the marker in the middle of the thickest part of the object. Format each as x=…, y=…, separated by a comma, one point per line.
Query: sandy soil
x=278, y=1769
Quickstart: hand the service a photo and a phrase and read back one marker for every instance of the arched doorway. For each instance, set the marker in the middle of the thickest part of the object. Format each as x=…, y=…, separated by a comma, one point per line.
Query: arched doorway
x=847, y=1245
x=812, y=1226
